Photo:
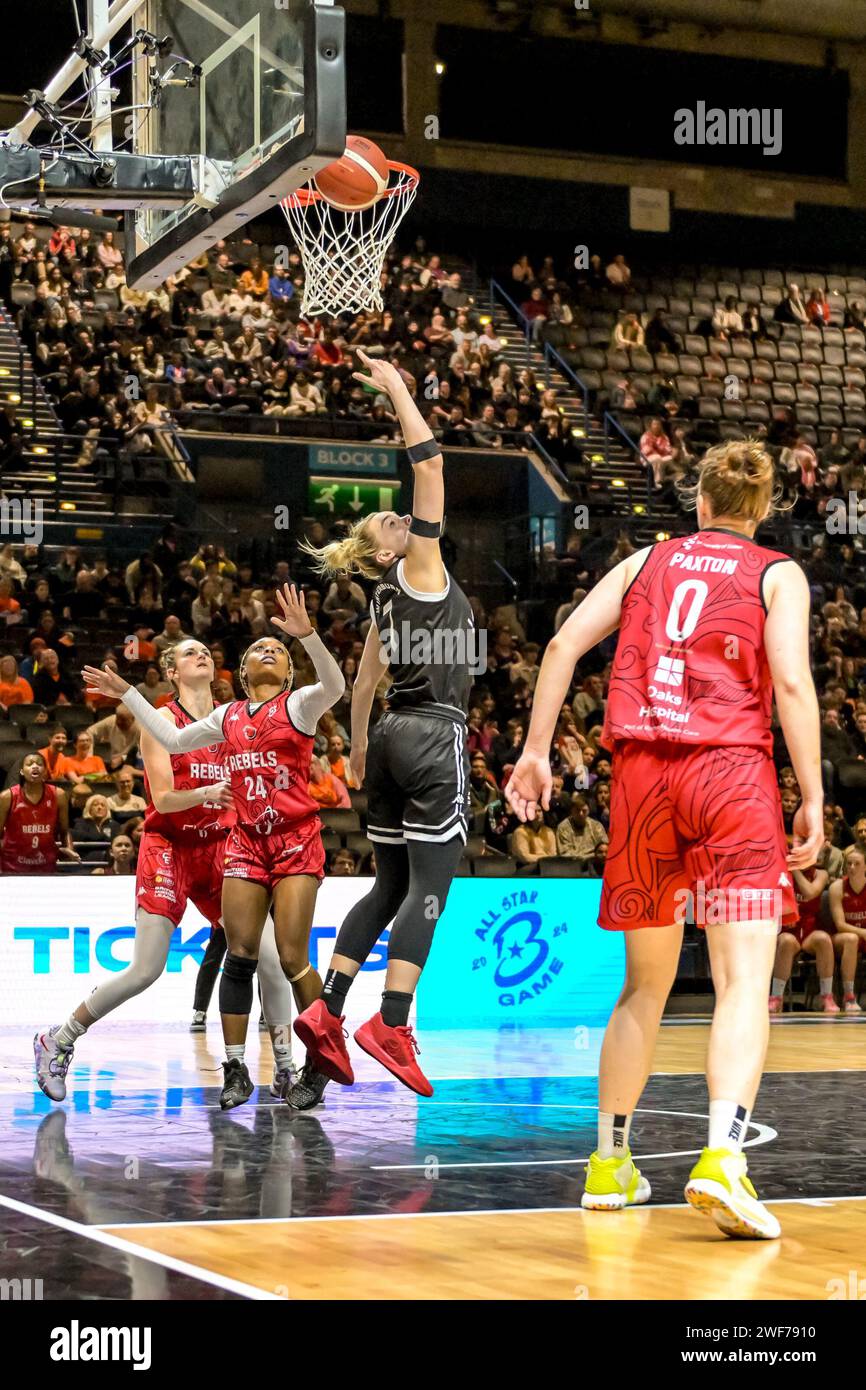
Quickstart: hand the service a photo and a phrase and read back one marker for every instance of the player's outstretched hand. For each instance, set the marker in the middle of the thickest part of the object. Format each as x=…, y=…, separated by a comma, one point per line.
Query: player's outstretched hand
x=529, y=786
x=383, y=375
x=808, y=835
x=106, y=682
x=294, y=621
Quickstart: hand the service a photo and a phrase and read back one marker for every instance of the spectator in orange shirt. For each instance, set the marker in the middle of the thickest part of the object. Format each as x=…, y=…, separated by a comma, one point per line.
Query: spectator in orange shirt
x=326, y=789
x=14, y=689
x=335, y=761
x=102, y=703
x=255, y=280
x=55, y=751
x=10, y=608
x=221, y=670
x=83, y=763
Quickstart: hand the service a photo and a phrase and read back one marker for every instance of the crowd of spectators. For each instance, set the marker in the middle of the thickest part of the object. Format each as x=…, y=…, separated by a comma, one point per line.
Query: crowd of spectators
x=226, y=337
x=80, y=607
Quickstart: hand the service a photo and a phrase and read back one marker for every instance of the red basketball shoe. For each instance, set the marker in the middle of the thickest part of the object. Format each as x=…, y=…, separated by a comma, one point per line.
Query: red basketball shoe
x=395, y=1048
x=322, y=1035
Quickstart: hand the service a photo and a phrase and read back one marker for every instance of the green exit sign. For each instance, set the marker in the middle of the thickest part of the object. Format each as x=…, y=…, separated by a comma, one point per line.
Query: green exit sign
x=347, y=497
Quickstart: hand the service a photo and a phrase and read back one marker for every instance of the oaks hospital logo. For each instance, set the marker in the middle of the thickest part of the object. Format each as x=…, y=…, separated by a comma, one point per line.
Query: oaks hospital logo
x=517, y=953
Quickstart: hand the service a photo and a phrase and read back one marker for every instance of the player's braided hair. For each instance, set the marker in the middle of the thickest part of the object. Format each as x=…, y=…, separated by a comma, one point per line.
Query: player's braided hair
x=242, y=669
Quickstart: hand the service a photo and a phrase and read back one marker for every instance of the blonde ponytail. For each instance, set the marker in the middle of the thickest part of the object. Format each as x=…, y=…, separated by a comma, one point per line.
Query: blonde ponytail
x=354, y=554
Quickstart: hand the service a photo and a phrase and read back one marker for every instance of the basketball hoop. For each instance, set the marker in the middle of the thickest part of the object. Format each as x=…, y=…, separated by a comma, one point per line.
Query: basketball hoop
x=343, y=252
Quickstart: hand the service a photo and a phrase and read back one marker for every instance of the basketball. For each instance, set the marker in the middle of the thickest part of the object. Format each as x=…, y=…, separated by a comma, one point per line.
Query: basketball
x=358, y=179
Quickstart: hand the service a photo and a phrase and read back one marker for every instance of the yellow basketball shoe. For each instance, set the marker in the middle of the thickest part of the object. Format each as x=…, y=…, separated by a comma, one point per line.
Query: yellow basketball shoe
x=613, y=1183
x=719, y=1186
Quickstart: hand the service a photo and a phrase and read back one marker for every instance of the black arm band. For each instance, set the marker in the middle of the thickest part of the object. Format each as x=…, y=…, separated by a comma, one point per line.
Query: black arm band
x=431, y=530
x=428, y=449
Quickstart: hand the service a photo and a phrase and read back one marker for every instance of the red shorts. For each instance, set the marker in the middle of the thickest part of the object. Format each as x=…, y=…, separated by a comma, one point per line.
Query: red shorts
x=705, y=821
x=265, y=859
x=170, y=874
x=807, y=924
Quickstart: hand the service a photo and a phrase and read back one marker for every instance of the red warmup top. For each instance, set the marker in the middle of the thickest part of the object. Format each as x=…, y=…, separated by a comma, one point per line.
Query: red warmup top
x=690, y=665
x=190, y=770
x=268, y=761
x=809, y=908
x=30, y=834
x=853, y=904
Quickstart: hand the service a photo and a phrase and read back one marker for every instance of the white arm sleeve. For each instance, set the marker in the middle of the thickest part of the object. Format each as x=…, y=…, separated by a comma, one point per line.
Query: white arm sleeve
x=307, y=705
x=197, y=735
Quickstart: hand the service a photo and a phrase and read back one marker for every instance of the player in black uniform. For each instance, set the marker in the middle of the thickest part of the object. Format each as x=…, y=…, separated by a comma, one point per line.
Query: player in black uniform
x=415, y=768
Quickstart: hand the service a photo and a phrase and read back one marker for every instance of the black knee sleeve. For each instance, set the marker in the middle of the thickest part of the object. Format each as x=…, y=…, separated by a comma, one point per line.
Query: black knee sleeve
x=432, y=866
x=365, y=922
x=236, y=985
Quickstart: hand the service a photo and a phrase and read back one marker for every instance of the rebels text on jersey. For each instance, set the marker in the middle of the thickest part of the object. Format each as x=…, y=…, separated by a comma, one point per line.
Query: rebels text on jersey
x=190, y=771
x=690, y=665
x=30, y=834
x=267, y=759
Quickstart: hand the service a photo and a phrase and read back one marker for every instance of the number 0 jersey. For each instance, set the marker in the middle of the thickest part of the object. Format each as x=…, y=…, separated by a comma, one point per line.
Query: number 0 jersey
x=690, y=665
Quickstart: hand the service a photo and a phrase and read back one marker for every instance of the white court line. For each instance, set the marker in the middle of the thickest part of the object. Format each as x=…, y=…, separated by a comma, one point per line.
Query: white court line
x=431, y=1215
x=140, y=1252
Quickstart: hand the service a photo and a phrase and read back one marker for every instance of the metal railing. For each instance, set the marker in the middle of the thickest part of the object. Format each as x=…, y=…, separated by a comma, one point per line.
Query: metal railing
x=551, y=358
x=611, y=423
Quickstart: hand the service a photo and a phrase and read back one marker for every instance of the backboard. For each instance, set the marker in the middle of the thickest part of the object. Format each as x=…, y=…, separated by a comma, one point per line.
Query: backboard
x=266, y=111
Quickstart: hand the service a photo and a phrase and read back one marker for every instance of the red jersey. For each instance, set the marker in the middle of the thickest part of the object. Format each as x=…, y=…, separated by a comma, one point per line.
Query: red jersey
x=853, y=904
x=190, y=770
x=809, y=908
x=268, y=761
x=690, y=665
x=30, y=834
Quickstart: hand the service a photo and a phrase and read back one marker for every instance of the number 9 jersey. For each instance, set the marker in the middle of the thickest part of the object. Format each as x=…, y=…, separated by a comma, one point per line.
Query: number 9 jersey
x=690, y=665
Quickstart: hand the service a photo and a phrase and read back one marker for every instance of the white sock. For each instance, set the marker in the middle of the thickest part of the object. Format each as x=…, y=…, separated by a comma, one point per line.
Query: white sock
x=235, y=1052
x=826, y=985
x=282, y=1056
x=69, y=1032
x=848, y=987
x=778, y=987
x=729, y=1123
x=612, y=1134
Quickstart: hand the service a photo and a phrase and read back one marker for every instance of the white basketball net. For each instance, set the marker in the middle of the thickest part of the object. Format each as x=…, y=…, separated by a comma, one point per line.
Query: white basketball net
x=343, y=253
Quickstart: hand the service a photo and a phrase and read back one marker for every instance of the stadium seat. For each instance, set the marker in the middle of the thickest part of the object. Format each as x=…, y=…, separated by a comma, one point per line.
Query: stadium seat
x=494, y=866
x=340, y=820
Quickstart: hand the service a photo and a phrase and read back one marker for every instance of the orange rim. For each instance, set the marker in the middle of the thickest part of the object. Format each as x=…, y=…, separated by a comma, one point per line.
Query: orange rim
x=306, y=196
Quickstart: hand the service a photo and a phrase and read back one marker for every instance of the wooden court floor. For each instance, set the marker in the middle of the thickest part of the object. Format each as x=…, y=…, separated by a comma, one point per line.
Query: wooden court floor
x=655, y=1252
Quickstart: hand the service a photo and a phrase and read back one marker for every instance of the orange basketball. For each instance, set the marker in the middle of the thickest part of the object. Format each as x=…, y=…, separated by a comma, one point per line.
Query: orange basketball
x=358, y=179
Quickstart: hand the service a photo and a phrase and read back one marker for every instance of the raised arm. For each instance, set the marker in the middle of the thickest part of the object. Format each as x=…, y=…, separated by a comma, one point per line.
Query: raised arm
x=596, y=618
x=200, y=734
x=422, y=565
x=307, y=705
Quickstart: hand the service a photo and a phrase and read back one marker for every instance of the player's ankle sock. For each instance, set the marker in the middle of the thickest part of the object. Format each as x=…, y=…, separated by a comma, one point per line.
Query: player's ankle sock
x=847, y=986
x=69, y=1032
x=282, y=1056
x=826, y=986
x=729, y=1123
x=778, y=987
x=334, y=992
x=612, y=1134
x=235, y=1052
x=395, y=1008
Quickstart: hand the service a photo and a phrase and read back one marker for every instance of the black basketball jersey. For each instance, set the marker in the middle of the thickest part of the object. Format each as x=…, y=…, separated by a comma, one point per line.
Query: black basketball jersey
x=431, y=642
